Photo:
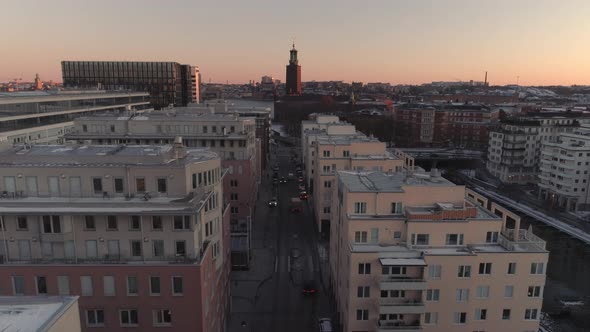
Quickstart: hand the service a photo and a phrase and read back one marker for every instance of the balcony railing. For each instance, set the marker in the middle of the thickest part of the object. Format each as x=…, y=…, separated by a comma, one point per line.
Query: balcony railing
x=400, y=278
x=386, y=301
x=524, y=240
x=399, y=325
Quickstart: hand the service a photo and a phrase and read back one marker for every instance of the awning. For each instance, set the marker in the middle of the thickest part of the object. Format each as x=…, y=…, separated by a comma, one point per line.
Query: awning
x=402, y=262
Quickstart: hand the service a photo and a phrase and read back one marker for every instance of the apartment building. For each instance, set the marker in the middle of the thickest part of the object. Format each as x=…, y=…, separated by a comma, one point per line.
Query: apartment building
x=564, y=180
x=350, y=153
x=320, y=125
x=232, y=137
x=139, y=233
x=440, y=125
x=40, y=313
x=168, y=83
x=45, y=116
x=416, y=252
x=514, y=150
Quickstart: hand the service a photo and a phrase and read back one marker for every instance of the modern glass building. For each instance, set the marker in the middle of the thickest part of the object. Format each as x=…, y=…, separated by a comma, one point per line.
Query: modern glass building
x=168, y=83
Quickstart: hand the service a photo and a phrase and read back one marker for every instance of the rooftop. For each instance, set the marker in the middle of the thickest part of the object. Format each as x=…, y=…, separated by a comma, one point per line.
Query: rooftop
x=22, y=97
x=100, y=155
x=345, y=139
x=169, y=114
x=378, y=181
x=32, y=313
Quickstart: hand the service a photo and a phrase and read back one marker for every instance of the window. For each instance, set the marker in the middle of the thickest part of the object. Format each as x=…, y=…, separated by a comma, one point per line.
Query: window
x=360, y=237
x=530, y=314
x=326, y=153
x=326, y=168
x=108, y=285
x=97, y=185
x=119, y=188
x=154, y=286
x=434, y=271
x=534, y=291
x=112, y=224
x=326, y=209
x=128, y=317
x=327, y=184
x=511, y=268
x=91, y=249
x=508, y=291
x=482, y=292
x=177, y=286
x=460, y=318
x=396, y=207
x=157, y=223
x=21, y=223
x=394, y=270
x=505, y=314
x=363, y=291
x=364, y=268
x=162, y=185
x=464, y=271
x=132, y=286
x=63, y=285
x=362, y=314
x=454, y=239
x=233, y=196
x=140, y=185
x=86, y=285
x=89, y=223
x=360, y=207
x=537, y=268
x=135, y=223
x=162, y=317
x=136, y=248
x=94, y=317
x=85, y=128
x=51, y=224
x=53, y=184
x=158, y=246
x=491, y=237
x=481, y=314
x=393, y=293
x=180, y=247
x=233, y=183
x=430, y=318
x=432, y=295
x=462, y=294
x=18, y=285
x=182, y=222
x=485, y=268
x=420, y=239
x=41, y=285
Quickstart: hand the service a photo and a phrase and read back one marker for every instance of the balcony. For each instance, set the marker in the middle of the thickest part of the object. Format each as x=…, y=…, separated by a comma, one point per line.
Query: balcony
x=57, y=237
x=400, y=306
x=398, y=326
x=389, y=282
x=524, y=241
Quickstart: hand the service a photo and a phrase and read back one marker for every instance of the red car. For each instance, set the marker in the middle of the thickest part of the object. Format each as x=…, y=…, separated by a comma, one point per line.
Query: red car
x=303, y=195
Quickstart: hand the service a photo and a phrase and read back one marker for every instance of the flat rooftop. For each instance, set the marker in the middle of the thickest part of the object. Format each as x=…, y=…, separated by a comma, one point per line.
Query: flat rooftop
x=379, y=181
x=169, y=114
x=7, y=98
x=32, y=313
x=345, y=139
x=77, y=155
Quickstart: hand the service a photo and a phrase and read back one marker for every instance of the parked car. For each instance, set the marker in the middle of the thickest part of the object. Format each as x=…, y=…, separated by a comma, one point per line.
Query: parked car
x=273, y=202
x=303, y=195
x=283, y=180
x=300, y=179
x=301, y=187
x=290, y=175
x=309, y=287
x=325, y=325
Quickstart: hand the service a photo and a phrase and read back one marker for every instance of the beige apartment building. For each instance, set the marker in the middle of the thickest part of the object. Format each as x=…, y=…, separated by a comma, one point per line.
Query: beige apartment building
x=139, y=232
x=349, y=153
x=419, y=253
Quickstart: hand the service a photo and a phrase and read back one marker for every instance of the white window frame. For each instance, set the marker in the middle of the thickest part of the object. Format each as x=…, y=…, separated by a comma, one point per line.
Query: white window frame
x=96, y=323
x=128, y=324
x=159, y=317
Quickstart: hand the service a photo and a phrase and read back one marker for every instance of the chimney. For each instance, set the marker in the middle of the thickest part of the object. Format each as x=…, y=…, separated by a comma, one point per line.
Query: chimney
x=178, y=148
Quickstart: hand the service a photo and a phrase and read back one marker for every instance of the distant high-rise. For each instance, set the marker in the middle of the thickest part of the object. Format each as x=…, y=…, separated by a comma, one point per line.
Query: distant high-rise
x=293, y=84
x=169, y=83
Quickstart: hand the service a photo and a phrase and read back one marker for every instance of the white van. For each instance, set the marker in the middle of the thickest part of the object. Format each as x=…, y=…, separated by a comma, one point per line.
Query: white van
x=325, y=325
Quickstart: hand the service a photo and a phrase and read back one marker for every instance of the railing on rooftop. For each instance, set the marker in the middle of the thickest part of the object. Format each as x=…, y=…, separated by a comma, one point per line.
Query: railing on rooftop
x=110, y=259
x=512, y=241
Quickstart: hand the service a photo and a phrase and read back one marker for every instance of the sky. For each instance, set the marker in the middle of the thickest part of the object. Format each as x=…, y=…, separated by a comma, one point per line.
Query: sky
x=537, y=42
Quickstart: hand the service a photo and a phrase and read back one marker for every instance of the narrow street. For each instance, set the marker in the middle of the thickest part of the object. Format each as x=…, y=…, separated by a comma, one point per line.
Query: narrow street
x=269, y=297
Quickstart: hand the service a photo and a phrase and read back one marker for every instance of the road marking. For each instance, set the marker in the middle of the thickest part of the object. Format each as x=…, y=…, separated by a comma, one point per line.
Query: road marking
x=289, y=264
x=276, y=264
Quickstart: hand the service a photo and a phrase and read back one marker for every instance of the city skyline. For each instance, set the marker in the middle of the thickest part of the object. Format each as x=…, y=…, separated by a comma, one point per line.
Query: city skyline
x=401, y=42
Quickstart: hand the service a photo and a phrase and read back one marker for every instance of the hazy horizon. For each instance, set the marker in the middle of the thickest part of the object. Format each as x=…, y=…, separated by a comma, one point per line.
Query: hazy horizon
x=401, y=42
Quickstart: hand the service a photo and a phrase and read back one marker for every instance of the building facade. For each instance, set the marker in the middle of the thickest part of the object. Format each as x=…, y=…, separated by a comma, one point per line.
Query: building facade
x=564, y=180
x=442, y=125
x=355, y=153
x=232, y=137
x=514, y=150
x=45, y=116
x=139, y=233
x=416, y=252
x=168, y=83
x=293, y=81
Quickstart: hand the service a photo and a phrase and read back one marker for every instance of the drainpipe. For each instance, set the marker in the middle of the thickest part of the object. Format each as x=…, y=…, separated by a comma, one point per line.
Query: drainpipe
x=4, y=237
x=142, y=237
